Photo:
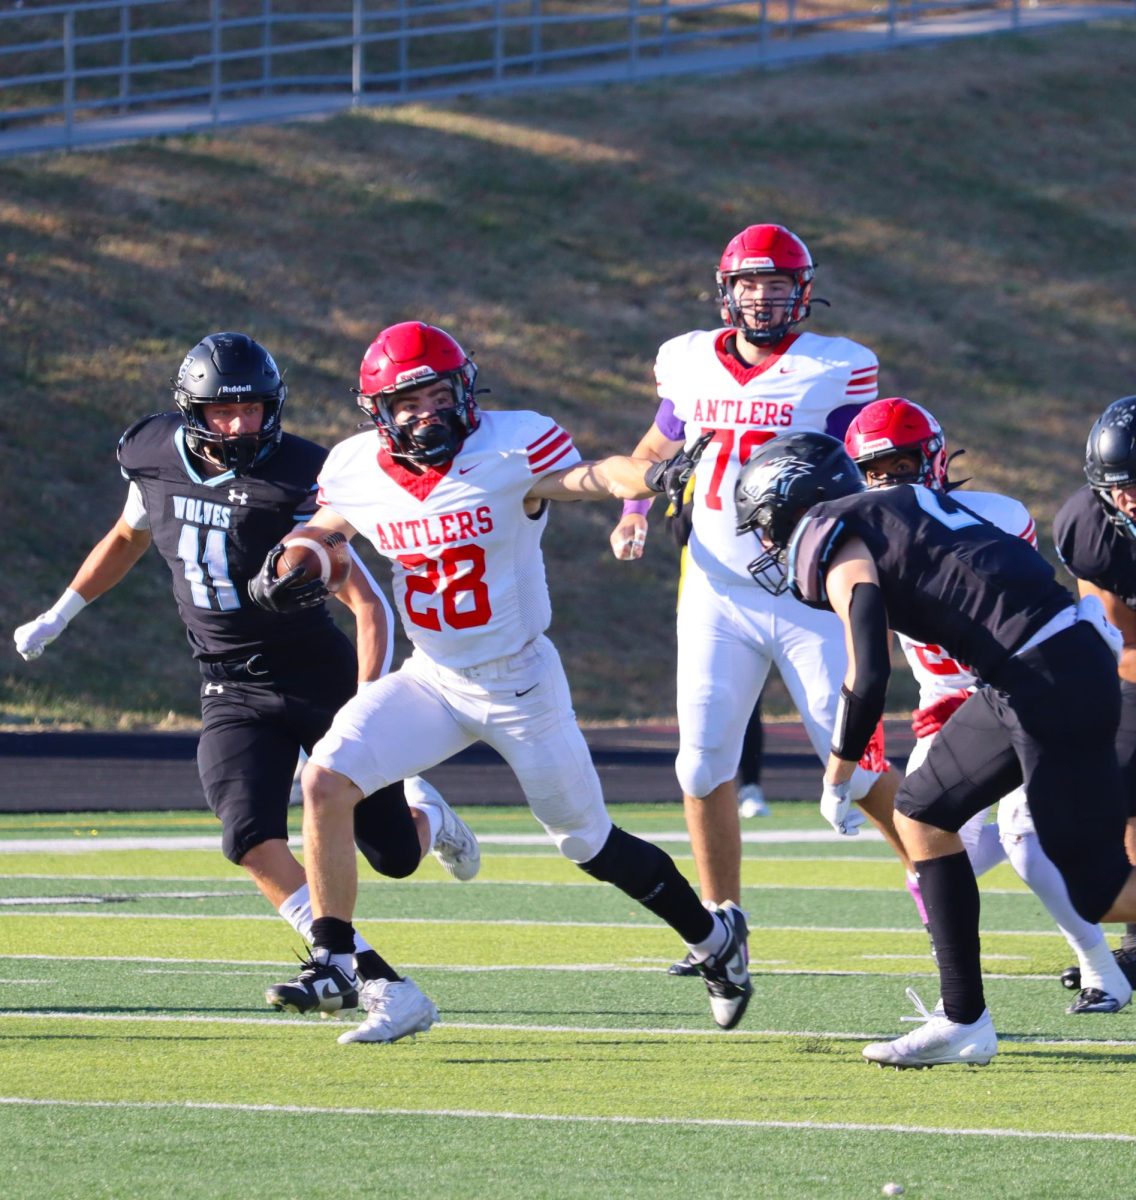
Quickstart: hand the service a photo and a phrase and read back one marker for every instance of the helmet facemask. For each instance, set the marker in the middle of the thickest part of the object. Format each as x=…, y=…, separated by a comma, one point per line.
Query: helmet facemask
x=228, y=368
x=753, y=319
x=432, y=441
x=777, y=487
x=1110, y=459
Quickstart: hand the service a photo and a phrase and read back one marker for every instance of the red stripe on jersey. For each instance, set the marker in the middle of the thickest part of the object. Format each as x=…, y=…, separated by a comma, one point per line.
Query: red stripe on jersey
x=1029, y=534
x=540, y=460
x=550, y=432
x=563, y=454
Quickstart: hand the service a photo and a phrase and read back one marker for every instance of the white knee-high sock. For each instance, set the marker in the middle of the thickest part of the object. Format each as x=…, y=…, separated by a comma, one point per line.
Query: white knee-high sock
x=297, y=911
x=1098, y=968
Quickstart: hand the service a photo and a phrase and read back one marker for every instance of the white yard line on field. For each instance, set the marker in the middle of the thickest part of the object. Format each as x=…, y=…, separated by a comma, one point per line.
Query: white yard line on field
x=509, y=1027
x=569, y=1119
x=208, y=842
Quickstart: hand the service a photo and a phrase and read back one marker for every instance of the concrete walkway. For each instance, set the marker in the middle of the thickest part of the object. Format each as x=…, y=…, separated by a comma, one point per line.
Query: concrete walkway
x=777, y=51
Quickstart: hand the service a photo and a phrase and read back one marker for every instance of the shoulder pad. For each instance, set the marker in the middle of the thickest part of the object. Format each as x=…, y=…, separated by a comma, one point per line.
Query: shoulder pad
x=815, y=540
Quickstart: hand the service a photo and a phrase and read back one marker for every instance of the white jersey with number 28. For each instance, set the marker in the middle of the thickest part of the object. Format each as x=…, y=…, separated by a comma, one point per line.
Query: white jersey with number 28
x=467, y=565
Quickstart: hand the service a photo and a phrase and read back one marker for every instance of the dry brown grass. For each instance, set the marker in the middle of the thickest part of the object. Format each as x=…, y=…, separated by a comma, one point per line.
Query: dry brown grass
x=970, y=207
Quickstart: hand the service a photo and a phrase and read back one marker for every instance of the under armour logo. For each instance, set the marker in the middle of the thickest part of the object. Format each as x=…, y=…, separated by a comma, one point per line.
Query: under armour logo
x=236, y=497
x=214, y=689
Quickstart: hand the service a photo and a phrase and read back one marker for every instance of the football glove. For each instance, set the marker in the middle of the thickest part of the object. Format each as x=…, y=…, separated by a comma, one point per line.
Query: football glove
x=929, y=720
x=34, y=637
x=836, y=808
x=284, y=594
x=670, y=476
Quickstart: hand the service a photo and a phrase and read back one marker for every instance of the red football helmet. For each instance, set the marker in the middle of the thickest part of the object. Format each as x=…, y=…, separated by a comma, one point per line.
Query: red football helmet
x=887, y=426
x=407, y=356
x=768, y=250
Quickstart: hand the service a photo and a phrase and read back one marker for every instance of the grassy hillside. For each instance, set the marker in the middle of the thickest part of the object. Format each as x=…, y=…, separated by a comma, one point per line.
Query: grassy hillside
x=970, y=206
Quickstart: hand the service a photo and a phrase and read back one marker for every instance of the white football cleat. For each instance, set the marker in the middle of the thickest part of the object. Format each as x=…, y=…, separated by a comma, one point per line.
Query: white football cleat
x=751, y=801
x=394, y=1010
x=936, y=1042
x=455, y=845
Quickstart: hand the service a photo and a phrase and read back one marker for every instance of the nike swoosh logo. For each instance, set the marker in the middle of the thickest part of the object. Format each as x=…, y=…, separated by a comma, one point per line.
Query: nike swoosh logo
x=527, y=690
x=786, y=370
x=465, y=470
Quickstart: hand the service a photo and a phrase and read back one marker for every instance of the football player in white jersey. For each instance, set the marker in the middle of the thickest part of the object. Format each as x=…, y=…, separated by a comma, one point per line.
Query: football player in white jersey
x=457, y=499
x=894, y=441
x=212, y=487
x=758, y=377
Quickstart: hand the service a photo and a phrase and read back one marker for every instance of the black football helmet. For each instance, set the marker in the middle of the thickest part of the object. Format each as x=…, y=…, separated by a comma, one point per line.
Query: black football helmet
x=779, y=484
x=230, y=368
x=1110, y=457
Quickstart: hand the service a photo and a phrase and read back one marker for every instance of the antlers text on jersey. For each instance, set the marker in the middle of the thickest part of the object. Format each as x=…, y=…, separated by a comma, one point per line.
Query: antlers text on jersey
x=743, y=410
x=442, y=529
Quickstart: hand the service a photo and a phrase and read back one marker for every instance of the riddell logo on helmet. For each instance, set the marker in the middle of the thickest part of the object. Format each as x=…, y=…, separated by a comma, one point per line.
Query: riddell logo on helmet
x=756, y=262
x=229, y=389
x=880, y=443
x=414, y=373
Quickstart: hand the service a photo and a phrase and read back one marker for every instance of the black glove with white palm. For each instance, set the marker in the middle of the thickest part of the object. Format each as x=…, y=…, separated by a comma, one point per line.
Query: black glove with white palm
x=670, y=476
x=285, y=593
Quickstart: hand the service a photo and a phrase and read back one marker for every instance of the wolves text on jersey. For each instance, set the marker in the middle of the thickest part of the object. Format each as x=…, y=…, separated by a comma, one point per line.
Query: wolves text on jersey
x=201, y=512
x=439, y=530
x=743, y=410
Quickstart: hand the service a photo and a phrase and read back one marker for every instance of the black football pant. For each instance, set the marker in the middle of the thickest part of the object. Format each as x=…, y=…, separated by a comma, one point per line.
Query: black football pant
x=256, y=714
x=1049, y=720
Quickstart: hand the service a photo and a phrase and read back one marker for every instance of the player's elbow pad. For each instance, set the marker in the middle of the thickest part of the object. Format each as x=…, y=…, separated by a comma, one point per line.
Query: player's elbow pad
x=862, y=705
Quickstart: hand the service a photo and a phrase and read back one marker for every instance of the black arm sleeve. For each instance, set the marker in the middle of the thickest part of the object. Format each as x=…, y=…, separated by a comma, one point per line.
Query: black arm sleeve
x=860, y=708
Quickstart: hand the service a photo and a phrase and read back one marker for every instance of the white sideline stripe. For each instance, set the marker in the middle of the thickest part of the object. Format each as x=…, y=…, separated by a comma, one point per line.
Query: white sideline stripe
x=769, y=966
x=707, y=1031
x=207, y=842
x=469, y=883
x=570, y=1118
x=119, y=915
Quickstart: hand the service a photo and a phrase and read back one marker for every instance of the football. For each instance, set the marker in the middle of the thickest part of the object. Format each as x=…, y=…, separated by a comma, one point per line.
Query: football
x=321, y=554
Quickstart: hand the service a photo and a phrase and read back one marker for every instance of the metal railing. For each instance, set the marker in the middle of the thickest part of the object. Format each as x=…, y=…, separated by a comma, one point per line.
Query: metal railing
x=72, y=73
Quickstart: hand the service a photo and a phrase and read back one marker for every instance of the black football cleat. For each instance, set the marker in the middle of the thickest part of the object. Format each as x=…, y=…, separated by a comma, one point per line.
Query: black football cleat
x=726, y=973
x=319, y=987
x=1093, y=1000
x=1125, y=960
x=684, y=966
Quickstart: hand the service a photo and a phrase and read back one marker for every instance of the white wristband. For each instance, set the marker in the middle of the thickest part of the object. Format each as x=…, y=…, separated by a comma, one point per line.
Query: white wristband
x=68, y=606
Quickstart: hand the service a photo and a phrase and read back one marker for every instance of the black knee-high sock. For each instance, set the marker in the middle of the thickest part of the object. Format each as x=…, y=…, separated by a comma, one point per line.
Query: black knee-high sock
x=333, y=935
x=1128, y=941
x=648, y=875
x=371, y=965
x=950, y=894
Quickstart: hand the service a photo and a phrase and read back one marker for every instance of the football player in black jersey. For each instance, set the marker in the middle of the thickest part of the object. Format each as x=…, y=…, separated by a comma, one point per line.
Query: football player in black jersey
x=214, y=486
x=1095, y=535
x=919, y=562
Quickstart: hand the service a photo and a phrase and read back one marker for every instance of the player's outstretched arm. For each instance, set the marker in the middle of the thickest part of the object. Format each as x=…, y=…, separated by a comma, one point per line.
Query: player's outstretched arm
x=106, y=565
x=629, y=537
x=624, y=477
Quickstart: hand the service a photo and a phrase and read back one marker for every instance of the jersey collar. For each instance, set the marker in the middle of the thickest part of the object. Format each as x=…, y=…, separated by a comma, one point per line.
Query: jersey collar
x=187, y=461
x=417, y=485
x=739, y=370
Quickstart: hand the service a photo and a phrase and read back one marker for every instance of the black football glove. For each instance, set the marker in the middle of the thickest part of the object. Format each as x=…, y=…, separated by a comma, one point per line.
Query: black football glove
x=671, y=475
x=286, y=594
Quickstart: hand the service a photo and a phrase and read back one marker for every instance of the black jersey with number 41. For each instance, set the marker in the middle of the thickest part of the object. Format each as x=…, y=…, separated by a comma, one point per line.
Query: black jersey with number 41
x=215, y=531
x=947, y=575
